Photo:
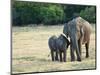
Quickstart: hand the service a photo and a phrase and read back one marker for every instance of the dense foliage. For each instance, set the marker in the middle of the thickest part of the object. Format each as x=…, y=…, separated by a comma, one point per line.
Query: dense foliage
x=24, y=13
x=89, y=14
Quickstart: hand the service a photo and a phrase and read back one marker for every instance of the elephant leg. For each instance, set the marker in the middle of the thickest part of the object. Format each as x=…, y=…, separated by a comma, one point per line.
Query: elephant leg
x=56, y=58
x=52, y=55
x=72, y=53
x=80, y=49
x=60, y=56
x=87, y=51
x=64, y=54
x=81, y=40
x=78, y=55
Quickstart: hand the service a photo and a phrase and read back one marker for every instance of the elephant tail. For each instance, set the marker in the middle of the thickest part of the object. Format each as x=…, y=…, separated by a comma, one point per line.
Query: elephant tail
x=49, y=55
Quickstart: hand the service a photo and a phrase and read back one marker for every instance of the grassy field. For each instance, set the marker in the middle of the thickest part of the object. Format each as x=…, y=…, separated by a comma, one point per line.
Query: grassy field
x=30, y=51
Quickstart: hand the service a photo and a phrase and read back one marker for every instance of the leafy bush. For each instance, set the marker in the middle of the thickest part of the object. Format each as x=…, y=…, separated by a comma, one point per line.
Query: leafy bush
x=24, y=13
x=89, y=14
x=37, y=13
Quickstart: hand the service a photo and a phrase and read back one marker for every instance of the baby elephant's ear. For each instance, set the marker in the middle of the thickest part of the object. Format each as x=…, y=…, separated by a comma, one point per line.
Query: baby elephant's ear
x=69, y=43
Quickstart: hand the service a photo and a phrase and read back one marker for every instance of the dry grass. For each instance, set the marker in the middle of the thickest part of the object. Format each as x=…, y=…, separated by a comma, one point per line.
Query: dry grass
x=30, y=51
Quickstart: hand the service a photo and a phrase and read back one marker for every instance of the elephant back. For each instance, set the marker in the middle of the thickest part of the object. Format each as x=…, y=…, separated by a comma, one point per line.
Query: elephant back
x=62, y=42
x=52, y=42
x=86, y=27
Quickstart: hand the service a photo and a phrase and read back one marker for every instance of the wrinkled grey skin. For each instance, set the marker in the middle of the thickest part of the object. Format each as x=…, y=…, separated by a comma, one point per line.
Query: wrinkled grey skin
x=58, y=46
x=62, y=44
x=79, y=31
x=53, y=47
x=71, y=31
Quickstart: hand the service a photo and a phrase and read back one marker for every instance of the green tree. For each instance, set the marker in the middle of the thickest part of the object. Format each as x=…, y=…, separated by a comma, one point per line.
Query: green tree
x=24, y=13
x=37, y=13
x=89, y=14
x=52, y=14
x=69, y=10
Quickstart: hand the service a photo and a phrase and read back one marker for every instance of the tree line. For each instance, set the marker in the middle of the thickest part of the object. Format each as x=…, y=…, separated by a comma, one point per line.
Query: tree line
x=24, y=13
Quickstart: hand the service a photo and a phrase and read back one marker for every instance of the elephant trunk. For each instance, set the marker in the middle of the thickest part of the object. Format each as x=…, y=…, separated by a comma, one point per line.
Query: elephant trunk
x=74, y=42
x=75, y=47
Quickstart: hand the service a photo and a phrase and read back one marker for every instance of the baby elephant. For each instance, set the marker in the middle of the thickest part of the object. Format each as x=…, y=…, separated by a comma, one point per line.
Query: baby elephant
x=58, y=46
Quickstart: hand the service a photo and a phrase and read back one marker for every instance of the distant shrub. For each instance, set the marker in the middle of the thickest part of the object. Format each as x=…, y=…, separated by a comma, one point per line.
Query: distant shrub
x=24, y=13
x=89, y=14
x=37, y=13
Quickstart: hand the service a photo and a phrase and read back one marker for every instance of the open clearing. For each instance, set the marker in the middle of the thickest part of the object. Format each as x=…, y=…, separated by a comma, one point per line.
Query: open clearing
x=30, y=51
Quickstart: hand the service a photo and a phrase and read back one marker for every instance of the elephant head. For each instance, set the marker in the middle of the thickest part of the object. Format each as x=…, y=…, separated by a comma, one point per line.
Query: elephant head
x=71, y=29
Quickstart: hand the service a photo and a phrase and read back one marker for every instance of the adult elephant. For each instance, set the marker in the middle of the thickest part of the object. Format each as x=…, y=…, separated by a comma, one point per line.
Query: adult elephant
x=79, y=31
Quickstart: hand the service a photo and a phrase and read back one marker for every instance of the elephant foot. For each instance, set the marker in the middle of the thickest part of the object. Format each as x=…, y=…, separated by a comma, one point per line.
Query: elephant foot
x=79, y=59
x=72, y=60
x=64, y=60
x=52, y=59
x=87, y=56
x=56, y=59
x=61, y=61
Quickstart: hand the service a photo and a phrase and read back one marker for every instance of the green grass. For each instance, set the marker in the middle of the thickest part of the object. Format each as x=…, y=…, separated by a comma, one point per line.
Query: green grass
x=30, y=51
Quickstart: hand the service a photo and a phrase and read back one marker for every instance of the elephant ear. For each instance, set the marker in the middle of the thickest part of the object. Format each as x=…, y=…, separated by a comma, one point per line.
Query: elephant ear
x=68, y=42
